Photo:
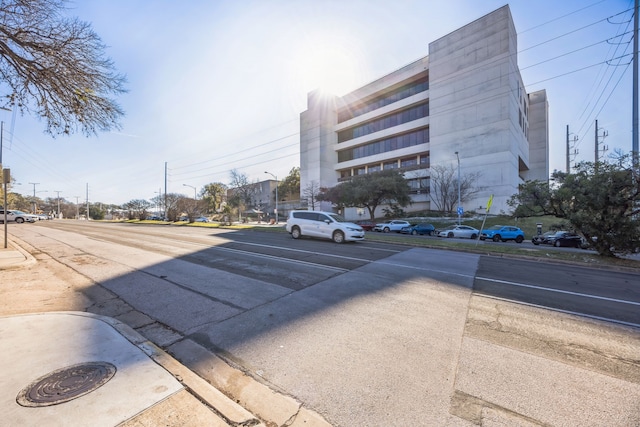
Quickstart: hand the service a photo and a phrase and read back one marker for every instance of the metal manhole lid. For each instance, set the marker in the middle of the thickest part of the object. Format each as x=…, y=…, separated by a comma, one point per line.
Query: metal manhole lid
x=65, y=384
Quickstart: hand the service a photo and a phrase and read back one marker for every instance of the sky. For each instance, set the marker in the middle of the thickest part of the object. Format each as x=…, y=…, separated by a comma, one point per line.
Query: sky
x=219, y=85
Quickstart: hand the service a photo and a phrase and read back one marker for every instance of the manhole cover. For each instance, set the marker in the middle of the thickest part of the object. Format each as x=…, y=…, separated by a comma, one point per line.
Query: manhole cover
x=66, y=384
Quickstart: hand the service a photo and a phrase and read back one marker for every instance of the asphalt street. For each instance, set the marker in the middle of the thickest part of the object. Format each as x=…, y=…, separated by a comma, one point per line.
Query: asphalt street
x=365, y=333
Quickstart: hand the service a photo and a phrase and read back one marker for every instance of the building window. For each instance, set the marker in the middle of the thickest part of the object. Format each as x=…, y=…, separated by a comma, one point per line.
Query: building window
x=359, y=171
x=408, y=162
x=391, y=165
x=419, y=185
x=402, y=92
x=404, y=116
x=373, y=168
x=397, y=142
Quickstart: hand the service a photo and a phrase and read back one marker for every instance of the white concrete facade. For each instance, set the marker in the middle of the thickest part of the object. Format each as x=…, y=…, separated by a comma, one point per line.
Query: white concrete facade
x=467, y=96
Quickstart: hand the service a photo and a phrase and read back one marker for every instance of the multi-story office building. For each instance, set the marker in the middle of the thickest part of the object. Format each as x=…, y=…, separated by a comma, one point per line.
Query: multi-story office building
x=466, y=96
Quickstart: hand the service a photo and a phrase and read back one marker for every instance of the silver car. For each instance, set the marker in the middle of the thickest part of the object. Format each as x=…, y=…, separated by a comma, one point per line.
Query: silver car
x=463, y=231
x=17, y=216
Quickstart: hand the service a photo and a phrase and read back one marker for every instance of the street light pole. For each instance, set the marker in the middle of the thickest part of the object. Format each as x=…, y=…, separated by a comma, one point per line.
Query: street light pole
x=459, y=207
x=276, y=178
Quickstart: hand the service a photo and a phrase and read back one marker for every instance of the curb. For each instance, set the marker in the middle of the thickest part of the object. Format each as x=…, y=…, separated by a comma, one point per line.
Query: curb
x=16, y=246
x=226, y=408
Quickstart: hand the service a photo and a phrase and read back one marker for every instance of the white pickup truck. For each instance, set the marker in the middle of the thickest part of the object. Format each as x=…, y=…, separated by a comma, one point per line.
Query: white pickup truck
x=17, y=216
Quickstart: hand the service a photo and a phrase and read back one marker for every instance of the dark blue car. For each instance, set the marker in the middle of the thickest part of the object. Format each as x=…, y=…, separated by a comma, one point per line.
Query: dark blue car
x=419, y=229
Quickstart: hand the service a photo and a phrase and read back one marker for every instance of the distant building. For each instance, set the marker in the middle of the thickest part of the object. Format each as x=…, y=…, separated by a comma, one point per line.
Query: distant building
x=467, y=96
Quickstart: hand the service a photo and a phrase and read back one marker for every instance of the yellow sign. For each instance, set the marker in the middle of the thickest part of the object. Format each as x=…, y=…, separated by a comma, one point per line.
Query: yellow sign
x=489, y=203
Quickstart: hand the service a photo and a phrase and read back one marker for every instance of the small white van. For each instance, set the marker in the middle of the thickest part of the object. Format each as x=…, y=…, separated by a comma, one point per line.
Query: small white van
x=323, y=224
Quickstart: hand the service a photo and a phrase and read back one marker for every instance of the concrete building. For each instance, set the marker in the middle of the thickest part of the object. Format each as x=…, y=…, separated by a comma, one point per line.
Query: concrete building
x=466, y=96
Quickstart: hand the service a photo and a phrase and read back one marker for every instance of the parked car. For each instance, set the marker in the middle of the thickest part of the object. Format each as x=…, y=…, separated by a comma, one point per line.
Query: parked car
x=420, y=229
x=502, y=233
x=201, y=219
x=17, y=216
x=366, y=225
x=463, y=231
x=323, y=224
x=393, y=225
x=542, y=239
x=565, y=239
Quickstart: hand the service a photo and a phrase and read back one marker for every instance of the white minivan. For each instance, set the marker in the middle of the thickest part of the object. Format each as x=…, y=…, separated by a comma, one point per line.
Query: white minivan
x=323, y=224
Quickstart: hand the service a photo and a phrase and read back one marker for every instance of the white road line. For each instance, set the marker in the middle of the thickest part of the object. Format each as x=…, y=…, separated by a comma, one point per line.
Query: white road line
x=522, y=285
x=575, y=313
x=281, y=259
x=308, y=252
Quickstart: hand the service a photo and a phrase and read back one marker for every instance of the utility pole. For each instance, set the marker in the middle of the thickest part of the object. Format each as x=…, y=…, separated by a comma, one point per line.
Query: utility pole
x=165, y=189
x=598, y=142
x=58, y=192
x=459, y=207
x=88, y=201
x=34, y=195
x=1, y=133
x=634, y=120
x=569, y=154
x=77, y=207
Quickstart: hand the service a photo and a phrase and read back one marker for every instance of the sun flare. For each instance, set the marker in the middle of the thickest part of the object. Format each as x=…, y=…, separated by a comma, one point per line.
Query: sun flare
x=327, y=65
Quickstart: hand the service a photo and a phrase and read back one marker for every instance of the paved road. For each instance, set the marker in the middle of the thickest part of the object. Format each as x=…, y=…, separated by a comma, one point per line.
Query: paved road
x=366, y=333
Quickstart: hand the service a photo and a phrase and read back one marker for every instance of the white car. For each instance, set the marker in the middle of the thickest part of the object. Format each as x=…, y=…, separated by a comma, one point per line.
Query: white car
x=17, y=216
x=463, y=231
x=327, y=225
x=394, y=225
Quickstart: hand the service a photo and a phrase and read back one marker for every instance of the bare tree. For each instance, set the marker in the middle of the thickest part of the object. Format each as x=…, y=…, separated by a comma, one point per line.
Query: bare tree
x=310, y=194
x=444, y=187
x=172, y=208
x=243, y=192
x=55, y=67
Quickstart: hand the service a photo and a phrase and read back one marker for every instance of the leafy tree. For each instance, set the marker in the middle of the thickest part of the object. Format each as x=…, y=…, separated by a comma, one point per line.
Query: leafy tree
x=15, y=200
x=95, y=212
x=289, y=188
x=600, y=200
x=369, y=191
x=213, y=195
x=55, y=67
x=138, y=208
x=444, y=187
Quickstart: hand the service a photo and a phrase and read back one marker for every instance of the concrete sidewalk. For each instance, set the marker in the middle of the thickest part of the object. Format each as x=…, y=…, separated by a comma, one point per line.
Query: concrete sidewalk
x=82, y=369
x=76, y=368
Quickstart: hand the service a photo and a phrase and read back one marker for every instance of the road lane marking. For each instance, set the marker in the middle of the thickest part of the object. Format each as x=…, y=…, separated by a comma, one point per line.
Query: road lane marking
x=559, y=310
x=522, y=285
x=281, y=259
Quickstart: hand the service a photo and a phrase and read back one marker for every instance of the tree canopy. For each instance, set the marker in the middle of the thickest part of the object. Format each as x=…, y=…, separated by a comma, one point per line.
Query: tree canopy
x=55, y=67
x=289, y=188
x=600, y=200
x=369, y=191
x=214, y=194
